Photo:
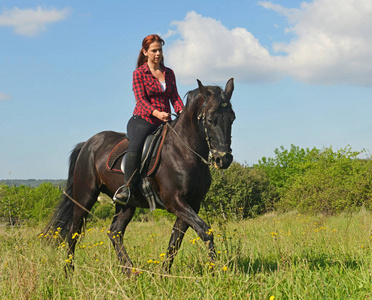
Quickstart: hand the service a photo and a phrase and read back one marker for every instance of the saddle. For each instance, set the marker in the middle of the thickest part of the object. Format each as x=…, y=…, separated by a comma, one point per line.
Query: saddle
x=149, y=162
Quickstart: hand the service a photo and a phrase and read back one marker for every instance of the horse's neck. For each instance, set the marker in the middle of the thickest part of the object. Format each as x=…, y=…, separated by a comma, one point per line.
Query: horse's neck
x=187, y=129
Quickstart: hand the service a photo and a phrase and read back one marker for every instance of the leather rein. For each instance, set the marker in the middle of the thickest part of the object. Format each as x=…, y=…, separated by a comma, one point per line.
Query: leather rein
x=188, y=147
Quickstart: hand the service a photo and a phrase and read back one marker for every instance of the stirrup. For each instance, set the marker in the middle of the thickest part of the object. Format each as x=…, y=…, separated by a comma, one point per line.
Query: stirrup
x=116, y=200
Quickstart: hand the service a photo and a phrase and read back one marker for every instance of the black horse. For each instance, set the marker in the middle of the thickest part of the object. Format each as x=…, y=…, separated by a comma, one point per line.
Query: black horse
x=181, y=180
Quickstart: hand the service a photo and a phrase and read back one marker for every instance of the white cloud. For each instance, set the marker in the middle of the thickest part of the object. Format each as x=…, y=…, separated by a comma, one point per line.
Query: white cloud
x=31, y=22
x=4, y=96
x=210, y=51
x=332, y=44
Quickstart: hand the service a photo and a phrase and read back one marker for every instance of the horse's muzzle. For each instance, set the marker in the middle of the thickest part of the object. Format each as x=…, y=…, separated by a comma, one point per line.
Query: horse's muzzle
x=222, y=160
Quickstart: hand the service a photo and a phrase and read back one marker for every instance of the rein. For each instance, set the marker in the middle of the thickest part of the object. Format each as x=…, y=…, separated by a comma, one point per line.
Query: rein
x=188, y=147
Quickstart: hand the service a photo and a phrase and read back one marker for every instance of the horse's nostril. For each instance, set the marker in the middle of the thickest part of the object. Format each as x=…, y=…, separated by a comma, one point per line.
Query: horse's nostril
x=218, y=163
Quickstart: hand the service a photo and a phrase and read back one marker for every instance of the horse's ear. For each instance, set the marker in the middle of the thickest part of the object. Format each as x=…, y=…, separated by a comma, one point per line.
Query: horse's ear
x=202, y=89
x=229, y=88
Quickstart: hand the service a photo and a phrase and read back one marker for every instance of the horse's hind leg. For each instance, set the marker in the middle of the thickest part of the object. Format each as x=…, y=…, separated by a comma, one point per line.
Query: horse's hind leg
x=123, y=216
x=72, y=236
x=178, y=232
x=85, y=197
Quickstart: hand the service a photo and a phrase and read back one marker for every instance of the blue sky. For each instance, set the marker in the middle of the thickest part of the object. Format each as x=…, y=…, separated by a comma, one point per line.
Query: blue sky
x=303, y=72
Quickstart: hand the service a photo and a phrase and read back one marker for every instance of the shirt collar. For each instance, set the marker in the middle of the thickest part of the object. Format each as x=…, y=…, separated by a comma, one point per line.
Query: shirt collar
x=146, y=68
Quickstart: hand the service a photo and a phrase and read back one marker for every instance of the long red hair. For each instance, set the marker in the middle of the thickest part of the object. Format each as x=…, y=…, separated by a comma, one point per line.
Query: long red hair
x=147, y=41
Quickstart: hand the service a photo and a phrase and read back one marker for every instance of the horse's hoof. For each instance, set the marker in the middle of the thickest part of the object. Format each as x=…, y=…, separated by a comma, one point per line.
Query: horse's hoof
x=130, y=271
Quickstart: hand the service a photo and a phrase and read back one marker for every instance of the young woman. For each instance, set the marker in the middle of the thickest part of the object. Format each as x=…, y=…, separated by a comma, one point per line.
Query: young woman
x=154, y=87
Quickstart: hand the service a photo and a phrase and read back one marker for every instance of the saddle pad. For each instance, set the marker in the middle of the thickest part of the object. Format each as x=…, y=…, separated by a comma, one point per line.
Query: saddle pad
x=114, y=159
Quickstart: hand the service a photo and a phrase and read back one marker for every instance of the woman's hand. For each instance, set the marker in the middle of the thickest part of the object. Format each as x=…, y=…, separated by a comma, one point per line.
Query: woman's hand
x=161, y=115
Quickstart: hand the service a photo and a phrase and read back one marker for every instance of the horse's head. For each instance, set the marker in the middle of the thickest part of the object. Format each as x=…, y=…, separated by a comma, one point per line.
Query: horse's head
x=216, y=116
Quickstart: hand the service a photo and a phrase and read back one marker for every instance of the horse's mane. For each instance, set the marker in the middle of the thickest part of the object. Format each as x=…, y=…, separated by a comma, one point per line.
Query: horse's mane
x=192, y=96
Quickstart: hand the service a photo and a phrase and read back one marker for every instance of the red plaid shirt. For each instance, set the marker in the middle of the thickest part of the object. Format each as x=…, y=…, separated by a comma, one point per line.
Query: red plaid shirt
x=150, y=95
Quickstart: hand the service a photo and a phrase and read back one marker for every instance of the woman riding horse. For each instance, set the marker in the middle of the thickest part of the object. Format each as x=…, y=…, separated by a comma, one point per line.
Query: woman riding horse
x=181, y=179
x=153, y=85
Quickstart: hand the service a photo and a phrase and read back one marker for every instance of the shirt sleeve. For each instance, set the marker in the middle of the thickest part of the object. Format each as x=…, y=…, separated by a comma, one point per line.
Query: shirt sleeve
x=140, y=94
x=175, y=97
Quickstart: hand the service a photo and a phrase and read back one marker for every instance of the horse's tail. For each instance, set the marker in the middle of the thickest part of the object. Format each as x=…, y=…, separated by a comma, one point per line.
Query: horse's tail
x=61, y=220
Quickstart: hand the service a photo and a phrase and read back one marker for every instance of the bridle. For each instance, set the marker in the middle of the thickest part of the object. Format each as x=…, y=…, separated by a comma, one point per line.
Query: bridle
x=202, y=118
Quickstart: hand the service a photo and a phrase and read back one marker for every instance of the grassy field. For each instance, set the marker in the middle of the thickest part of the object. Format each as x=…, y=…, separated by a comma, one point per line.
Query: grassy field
x=287, y=256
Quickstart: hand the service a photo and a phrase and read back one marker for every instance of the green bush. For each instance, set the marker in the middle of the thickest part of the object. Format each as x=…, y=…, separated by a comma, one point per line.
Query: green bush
x=335, y=182
x=19, y=204
x=45, y=198
x=287, y=164
x=104, y=211
x=238, y=192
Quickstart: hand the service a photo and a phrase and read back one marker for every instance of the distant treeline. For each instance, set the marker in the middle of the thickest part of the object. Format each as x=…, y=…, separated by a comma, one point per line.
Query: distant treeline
x=32, y=182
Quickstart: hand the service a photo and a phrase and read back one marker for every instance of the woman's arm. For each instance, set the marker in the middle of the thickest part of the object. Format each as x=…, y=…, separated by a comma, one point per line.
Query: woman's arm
x=140, y=94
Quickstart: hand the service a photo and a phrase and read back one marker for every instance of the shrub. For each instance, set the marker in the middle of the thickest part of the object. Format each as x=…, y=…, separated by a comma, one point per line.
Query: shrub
x=25, y=203
x=287, y=164
x=238, y=192
x=335, y=182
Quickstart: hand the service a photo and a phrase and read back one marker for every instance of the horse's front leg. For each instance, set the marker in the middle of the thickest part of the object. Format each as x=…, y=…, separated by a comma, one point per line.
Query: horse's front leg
x=123, y=216
x=178, y=232
x=185, y=212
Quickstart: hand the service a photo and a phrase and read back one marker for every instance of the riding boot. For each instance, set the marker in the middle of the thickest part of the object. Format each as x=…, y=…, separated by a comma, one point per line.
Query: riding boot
x=131, y=174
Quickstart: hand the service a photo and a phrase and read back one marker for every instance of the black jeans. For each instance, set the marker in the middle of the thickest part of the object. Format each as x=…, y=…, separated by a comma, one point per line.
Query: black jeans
x=137, y=131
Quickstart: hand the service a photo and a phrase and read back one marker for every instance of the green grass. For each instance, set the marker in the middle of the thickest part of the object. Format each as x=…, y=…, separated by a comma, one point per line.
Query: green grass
x=287, y=256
